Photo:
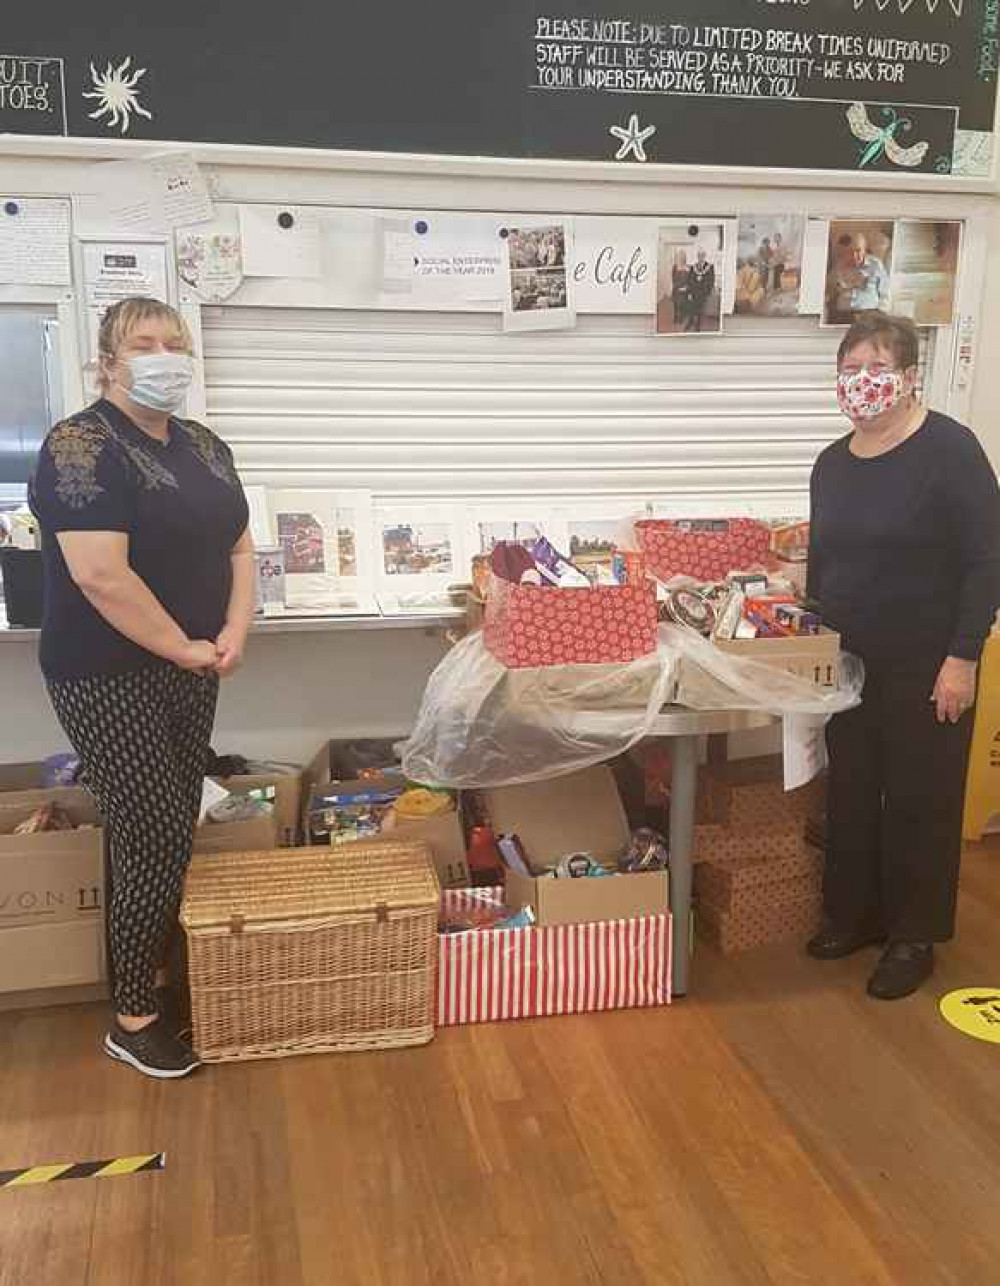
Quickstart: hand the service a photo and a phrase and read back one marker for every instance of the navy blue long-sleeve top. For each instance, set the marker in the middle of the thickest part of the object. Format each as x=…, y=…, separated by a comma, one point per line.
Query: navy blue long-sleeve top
x=904, y=556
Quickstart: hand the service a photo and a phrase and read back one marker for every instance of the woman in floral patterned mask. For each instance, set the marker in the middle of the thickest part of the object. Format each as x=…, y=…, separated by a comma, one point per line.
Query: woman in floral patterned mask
x=148, y=599
x=905, y=561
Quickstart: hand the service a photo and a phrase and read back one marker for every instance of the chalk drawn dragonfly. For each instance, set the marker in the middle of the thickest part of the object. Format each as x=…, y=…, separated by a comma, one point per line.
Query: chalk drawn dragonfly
x=881, y=139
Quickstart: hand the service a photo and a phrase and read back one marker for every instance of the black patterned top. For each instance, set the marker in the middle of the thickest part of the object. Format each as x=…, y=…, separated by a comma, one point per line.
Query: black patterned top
x=179, y=501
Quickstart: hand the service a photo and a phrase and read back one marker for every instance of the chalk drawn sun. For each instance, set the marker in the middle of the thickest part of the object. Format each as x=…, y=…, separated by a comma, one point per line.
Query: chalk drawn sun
x=115, y=91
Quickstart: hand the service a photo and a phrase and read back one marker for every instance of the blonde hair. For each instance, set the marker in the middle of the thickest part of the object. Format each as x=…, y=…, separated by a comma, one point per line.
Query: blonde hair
x=123, y=317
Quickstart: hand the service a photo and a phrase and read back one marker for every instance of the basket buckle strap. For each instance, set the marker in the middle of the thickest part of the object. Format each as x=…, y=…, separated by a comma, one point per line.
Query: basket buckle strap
x=237, y=923
x=381, y=913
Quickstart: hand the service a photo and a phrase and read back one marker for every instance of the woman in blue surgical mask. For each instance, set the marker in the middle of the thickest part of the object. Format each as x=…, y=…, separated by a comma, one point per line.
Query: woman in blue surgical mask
x=148, y=600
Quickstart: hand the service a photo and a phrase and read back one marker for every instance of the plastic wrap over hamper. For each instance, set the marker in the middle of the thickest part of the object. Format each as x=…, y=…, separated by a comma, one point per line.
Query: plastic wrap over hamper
x=311, y=950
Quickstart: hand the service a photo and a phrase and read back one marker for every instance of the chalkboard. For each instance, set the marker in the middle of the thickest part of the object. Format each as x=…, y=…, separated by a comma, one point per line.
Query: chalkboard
x=894, y=85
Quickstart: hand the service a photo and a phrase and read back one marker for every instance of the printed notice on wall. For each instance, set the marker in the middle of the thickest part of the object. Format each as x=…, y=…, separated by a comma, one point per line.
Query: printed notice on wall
x=32, y=95
x=118, y=270
x=34, y=242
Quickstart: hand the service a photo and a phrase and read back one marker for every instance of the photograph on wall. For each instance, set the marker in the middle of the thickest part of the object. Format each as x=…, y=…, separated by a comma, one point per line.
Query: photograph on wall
x=593, y=542
x=322, y=535
x=690, y=269
x=490, y=524
x=417, y=549
x=419, y=553
x=925, y=263
x=769, y=265
x=539, y=294
x=858, y=269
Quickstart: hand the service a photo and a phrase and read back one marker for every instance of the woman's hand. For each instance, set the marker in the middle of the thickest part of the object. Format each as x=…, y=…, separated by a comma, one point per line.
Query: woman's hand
x=955, y=689
x=229, y=647
x=197, y=654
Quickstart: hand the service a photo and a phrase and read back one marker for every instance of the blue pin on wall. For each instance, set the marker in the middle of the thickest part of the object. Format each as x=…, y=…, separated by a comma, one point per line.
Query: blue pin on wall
x=11, y=208
x=421, y=227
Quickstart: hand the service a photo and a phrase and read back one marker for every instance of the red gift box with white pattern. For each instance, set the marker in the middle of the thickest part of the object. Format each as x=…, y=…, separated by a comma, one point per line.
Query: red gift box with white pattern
x=705, y=549
x=498, y=974
x=527, y=626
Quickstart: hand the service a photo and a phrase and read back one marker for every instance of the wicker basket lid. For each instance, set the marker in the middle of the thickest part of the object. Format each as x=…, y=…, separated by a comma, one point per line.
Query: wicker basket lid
x=308, y=883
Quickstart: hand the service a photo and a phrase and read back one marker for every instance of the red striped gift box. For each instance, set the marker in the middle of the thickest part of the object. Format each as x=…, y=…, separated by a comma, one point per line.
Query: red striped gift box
x=497, y=974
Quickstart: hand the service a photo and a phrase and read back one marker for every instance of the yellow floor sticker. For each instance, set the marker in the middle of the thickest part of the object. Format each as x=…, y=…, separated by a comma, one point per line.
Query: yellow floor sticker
x=975, y=1011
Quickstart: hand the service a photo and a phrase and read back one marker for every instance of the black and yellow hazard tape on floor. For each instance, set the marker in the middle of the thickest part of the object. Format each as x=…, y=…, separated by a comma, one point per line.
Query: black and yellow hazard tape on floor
x=82, y=1170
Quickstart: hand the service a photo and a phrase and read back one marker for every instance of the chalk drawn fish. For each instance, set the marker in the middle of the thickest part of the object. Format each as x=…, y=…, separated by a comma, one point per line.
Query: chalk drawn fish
x=881, y=139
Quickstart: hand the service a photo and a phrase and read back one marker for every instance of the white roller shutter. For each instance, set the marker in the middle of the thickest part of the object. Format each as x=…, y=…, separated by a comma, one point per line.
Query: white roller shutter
x=447, y=406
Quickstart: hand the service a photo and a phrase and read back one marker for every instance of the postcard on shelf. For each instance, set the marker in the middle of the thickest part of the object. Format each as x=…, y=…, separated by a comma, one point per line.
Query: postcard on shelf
x=420, y=552
x=327, y=544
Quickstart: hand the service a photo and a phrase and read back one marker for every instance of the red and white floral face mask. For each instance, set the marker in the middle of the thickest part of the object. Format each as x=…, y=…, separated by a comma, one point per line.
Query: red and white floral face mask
x=869, y=392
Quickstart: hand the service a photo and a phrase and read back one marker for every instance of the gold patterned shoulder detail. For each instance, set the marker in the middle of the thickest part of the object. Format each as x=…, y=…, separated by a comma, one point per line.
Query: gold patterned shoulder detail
x=151, y=472
x=75, y=446
x=210, y=451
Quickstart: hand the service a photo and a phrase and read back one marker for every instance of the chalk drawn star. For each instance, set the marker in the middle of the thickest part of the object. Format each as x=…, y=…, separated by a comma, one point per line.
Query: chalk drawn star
x=633, y=138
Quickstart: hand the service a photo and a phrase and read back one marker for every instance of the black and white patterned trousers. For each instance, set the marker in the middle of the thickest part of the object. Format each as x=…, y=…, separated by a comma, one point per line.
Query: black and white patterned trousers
x=143, y=742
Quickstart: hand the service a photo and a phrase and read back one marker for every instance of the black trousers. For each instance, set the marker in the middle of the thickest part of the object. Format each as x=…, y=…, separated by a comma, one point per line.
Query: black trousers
x=894, y=817
x=143, y=742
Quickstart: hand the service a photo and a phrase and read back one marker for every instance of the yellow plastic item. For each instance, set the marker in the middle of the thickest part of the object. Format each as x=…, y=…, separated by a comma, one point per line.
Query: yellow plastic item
x=424, y=803
x=982, y=791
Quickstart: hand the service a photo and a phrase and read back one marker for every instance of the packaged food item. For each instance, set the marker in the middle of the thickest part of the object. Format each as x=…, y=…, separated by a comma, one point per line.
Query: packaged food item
x=339, y=816
x=49, y=817
x=750, y=583
x=485, y=865
x=513, y=854
x=647, y=851
x=555, y=568
x=578, y=866
x=692, y=608
x=797, y=620
x=423, y=802
x=629, y=567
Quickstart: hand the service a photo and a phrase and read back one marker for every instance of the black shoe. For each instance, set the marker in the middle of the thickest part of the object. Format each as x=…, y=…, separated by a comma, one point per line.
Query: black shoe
x=903, y=967
x=152, y=1051
x=830, y=944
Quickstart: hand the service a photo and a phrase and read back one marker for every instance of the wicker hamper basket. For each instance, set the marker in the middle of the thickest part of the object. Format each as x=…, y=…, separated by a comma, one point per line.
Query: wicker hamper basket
x=311, y=950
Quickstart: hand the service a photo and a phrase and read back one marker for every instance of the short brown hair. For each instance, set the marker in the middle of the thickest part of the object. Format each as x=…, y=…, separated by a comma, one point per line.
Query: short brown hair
x=122, y=317
x=897, y=334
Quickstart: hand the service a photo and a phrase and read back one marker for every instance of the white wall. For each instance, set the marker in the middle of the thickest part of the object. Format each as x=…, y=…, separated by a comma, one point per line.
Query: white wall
x=295, y=691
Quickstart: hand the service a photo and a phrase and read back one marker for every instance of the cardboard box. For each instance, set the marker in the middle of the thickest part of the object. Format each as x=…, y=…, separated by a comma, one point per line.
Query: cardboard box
x=796, y=917
x=40, y=957
x=281, y=832
x=445, y=837
x=707, y=549
x=259, y=835
x=590, y=900
x=750, y=792
x=755, y=882
x=815, y=658
x=27, y=776
x=730, y=845
x=287, y=802
x=54, y=877
x=581, y=812
x=527, y=626
x=502, y=974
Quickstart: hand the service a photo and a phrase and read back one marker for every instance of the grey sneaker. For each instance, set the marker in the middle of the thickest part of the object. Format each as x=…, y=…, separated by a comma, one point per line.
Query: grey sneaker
x=152, y=1051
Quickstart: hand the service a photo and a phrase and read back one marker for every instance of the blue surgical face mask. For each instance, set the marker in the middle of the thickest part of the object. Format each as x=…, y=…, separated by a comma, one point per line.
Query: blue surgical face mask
x=160, y=381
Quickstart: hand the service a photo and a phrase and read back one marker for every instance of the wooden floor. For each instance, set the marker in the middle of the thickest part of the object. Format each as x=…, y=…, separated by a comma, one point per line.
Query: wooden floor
x=775, y=1127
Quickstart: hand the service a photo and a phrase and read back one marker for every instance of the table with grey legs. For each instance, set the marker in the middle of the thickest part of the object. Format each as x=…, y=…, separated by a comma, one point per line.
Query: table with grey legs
x=684, y=728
